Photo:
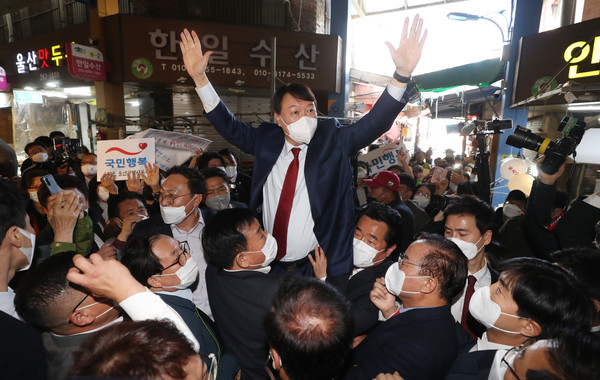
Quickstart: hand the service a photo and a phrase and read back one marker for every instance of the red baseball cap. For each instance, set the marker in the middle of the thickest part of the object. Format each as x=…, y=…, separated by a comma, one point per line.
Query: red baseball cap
x=384, y=178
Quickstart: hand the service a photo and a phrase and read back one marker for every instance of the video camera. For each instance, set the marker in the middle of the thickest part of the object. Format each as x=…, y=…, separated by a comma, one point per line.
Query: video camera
x=66, y=148
x=556, y=152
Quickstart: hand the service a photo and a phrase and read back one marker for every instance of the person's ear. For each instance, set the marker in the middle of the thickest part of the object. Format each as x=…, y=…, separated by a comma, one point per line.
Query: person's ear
x=277, y=118
x=198, y=200
x=487, y=237
x=530, y=329
x=596, y=305
x=241, y=260
x=429, y=285
x=389, y=251
x=277, y=364
x=15, y=237
x=155, y=282
x=82, y=318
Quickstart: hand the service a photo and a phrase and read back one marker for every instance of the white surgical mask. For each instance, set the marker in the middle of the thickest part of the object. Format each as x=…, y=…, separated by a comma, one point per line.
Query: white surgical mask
x=361, y=173
x=394, y=280
x=96, y=303
x=269, y=250
x=27, y=251
x=89, y=169
x=364, y=254
x=34, y=197
x=511, y=210
x=486, y=311
x=231, y=172
x=174, y=215
x=218, y=202
x=40, y=157
x=421, y=201
x=468, y=249
x=302, y=130
x=187, y=274
x=103, y=193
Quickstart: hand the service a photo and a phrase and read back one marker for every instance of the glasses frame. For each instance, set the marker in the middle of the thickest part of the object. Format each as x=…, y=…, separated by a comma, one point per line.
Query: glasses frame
x=185, y=248
x=170, y=198
x=513, y=352
x=80, y=302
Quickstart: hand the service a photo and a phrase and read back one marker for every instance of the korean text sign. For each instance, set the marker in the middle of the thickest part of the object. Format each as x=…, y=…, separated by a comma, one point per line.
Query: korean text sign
x=121, y=157
x=383, y=157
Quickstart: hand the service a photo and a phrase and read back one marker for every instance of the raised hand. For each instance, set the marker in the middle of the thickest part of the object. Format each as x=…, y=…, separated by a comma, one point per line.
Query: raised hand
x=64, y=209
x=152, y=177
x=108, y=181
x=408, y=53
x=195, y=62
x=135, y=183
x=319, y=262
x=382, y=298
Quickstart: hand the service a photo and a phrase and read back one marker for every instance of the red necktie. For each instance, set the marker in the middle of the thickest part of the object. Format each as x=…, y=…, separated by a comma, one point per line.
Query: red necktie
x=465, y=312
x=284, y=208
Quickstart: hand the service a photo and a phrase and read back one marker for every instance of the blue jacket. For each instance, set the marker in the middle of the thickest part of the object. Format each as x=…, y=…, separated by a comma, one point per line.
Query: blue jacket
x=327, y=169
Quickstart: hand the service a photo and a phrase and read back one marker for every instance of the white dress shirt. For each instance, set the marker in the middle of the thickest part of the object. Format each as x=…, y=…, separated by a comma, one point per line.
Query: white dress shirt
x=7, y=303
x=194, y=239
x=484, y=344
x=483, y=278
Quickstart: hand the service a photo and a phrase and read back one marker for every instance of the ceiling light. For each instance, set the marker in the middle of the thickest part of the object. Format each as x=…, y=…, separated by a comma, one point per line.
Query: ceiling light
x=589, y=106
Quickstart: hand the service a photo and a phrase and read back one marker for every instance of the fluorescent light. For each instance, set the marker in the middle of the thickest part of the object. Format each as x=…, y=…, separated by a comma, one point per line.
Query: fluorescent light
x=459, y=16
x=52, y=84
x=29, y=88
x=135, y=104
x=589, y=106
x=82, y=91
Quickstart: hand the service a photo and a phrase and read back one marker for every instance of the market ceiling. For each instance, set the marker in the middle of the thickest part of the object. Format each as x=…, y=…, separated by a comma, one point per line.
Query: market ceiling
x=7, y=6
x=363, y=8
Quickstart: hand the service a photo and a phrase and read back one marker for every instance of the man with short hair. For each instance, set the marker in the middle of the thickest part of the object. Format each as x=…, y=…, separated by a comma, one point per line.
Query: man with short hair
x=38, y=158
x=239, y=183
x=419, y=340
x=406, y=191
x=308, y=330
x=468, y=223
x=383, y=188
x=240, y=289
x=125, y=210
x=218, y=196
x=181, y=218
x=302, y=181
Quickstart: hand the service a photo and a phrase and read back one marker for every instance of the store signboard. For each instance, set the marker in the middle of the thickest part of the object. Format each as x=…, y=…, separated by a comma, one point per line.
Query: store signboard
x=241, y=54
x=3, y=84
x=547, y=60
x=85, y=62
x=40, y=58
x=383, y=157
x=123, y=157
x=28, y=97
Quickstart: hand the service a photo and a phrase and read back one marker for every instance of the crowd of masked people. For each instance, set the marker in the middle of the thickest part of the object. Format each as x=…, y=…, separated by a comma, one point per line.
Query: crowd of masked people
x=167, y=275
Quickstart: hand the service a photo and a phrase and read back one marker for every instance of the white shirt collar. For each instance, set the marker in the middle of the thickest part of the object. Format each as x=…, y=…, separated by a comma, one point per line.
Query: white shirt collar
x=264, y=270
x=484, y=344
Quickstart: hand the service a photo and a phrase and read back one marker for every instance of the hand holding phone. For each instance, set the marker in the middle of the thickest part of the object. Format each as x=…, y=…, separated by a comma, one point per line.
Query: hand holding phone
x=439, y=173
x=51, y=184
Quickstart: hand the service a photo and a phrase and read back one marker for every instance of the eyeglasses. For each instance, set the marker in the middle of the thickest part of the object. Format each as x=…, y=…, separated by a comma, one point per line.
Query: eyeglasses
x=169, y=198
x=510, y=355
x=182, y=258
x=426, y=195
x=211, y=374
x=80, y=302
x=402, y=259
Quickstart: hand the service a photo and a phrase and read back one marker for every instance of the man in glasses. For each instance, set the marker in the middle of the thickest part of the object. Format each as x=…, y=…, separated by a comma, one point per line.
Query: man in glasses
x=181, y=218
x=532, y=299
x=72, y=297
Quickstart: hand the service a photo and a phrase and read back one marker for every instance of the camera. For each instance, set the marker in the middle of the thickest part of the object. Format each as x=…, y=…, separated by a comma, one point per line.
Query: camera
x=556, y=152
x=66, y=148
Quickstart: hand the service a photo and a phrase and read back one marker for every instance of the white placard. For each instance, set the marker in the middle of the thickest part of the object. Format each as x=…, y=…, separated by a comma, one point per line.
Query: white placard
x=173, y=148
x=587, y=150
x=121, y=157
x=383, y=157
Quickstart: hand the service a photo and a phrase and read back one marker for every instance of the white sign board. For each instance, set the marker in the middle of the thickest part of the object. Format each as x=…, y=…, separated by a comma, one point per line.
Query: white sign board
x=383, y=157
x=121, y=157
x=587, y=150
x=173, y=148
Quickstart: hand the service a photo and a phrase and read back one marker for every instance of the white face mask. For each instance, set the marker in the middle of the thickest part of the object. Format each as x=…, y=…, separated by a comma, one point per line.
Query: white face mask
x=89, y=169
x=421, y=201
x=511, y=210
x=487, y=311
x=231, y=172
x=187, y=275
x=27, y=251
x=34, y=197
x=302, y=130
x=103, y=193
x=394, y=280
x=96, y=303
x=40, y=157
x=269, y=250
x=364, y=254
x=218, y=202
x=468, y=249
x=174, y=215
x=361, y=173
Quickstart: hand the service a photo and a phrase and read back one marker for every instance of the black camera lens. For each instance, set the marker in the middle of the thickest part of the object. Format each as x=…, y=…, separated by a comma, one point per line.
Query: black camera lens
x=524, y=138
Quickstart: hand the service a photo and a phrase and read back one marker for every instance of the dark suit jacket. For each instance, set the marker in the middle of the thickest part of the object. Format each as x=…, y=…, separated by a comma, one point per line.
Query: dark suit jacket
x=421, y=217
x=241, y=188
x=419, y=344
x=472, y=366
x=239, y=302
x=537, y=217
x=21, y=352
x=327, y=169
x=408, y=222
x=204, y=330
x=576, y=228
x=357, y=290
x=59, y=352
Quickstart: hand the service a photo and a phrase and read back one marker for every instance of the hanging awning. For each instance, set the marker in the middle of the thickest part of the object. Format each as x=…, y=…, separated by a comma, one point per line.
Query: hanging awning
x=482, y=73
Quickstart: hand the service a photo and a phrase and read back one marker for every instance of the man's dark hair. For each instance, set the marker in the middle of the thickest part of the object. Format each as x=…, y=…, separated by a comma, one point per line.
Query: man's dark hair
x=574, y=355
x=214, y=172
x=46, y=141
x=310, y=327
x=29, y=175
x=65, y=182
x=584, y=263
x=395, y=167
x=115, y=201
x=139, y=258
x=446, y=263
x=53, y=134
x=467, y=188
x=207, y=157
x=32, y=144
x=196, y=183
x=297, y=90
x=142, y=350
x=12, y=209
x=483, y=213
x=407, y=180
x=385, y=214
x=222, y=238
x=227, y=152
x=548, y=295
x=517, y=195
x=44, y=290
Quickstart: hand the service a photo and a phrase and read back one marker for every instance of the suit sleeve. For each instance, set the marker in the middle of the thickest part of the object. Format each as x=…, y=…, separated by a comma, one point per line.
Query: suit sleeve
x=236, y=132
x=574, y=229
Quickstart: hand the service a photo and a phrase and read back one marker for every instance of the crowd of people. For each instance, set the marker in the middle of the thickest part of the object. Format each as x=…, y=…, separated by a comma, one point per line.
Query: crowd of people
x=301, y=270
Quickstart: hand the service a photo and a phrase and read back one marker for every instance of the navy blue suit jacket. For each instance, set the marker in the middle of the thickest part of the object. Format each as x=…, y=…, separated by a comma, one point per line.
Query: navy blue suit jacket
x=327, y=169
x=472, y=366
x=419, y=344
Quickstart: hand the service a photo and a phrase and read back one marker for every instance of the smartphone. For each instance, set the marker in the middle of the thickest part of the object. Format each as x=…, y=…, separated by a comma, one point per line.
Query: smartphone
x=51, y=184
x=439, y=173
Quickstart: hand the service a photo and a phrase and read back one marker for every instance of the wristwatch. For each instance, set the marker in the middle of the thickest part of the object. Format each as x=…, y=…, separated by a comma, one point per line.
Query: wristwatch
x=400, y=78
